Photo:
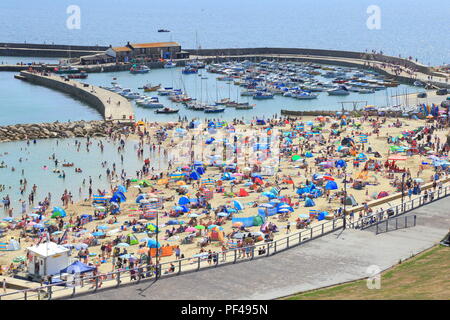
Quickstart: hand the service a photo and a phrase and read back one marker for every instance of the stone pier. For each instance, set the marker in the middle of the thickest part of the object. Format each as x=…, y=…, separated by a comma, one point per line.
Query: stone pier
x=111, y=106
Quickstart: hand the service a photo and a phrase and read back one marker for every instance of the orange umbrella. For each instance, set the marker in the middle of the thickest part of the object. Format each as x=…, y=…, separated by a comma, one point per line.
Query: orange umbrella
x=237, y=224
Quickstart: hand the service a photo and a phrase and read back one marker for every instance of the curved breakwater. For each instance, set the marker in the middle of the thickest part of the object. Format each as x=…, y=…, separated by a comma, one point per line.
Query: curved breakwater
x=111, y=106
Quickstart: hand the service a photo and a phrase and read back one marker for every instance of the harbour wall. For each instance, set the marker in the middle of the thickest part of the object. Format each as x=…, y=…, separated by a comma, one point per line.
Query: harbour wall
x=110, y=105
x=52, y=50
x=77, y=92
x=48, y=50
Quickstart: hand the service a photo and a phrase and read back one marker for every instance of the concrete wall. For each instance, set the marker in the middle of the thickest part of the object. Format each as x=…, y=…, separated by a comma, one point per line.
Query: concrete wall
x=47, y=50
x=76, y=92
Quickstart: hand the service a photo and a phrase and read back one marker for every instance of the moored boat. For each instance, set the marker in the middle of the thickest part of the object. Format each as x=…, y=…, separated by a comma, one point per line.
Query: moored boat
x=135, y=69
x=167, y=110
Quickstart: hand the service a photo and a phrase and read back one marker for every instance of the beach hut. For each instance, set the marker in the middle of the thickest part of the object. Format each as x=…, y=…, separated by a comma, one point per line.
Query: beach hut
x=47, y=259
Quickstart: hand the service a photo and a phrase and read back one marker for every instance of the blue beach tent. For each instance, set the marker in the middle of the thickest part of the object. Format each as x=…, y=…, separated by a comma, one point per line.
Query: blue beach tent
x=331, y=185
x=77, y=267
x=309, y=202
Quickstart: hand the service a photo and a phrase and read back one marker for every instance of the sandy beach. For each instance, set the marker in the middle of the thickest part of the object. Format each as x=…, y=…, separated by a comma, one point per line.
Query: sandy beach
x=384, y=138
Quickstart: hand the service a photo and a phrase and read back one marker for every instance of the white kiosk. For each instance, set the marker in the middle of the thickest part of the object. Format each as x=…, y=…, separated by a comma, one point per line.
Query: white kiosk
x=47, y=259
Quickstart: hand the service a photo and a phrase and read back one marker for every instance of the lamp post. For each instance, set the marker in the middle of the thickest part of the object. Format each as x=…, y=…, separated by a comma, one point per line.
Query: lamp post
x=157, y=249
x=403, y=187
x=344, y=220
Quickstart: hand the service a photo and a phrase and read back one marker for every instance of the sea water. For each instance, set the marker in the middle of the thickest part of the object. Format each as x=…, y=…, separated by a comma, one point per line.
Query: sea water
x=408, y=27
x=37, y=165
x=210, y=90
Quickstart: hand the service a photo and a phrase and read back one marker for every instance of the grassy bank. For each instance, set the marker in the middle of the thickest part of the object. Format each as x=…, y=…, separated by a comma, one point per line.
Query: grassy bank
x=425, y=276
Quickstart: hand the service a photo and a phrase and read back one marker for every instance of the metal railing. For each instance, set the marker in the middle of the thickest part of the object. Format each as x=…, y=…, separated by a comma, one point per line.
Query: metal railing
x=91, y=284
x=395, y=224
x=400, y=209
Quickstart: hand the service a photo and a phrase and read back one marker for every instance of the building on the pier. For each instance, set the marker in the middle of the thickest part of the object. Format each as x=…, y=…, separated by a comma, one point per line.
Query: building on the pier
x=98, y=58
x=148, y=51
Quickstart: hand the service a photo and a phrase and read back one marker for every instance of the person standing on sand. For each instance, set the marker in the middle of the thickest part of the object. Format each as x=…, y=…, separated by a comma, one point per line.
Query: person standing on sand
x=4, y=285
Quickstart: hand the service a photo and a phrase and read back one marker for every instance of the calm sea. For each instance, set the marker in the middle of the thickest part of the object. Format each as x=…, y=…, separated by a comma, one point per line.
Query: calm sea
x=408, y=27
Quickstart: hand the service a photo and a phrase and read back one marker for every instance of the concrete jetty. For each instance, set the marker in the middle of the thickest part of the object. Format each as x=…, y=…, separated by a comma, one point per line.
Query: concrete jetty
x=111, y=106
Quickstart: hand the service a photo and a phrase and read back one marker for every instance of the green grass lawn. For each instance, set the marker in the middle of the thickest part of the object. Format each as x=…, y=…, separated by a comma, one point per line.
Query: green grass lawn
x=423, y=277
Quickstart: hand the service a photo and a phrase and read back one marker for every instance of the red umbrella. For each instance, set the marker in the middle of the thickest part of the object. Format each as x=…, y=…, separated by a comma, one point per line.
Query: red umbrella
x=328, y=178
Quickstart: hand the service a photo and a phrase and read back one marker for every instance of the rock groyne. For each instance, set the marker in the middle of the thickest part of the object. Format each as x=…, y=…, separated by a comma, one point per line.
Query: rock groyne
x=79, y=129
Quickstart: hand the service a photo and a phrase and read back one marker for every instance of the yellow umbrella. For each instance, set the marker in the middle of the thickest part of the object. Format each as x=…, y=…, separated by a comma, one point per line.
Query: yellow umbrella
x=163, y=181
x=181, y=183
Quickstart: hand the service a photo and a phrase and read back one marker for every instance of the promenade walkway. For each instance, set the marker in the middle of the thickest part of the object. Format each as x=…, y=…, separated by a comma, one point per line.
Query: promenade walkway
x=112, y=106
x=335, y=258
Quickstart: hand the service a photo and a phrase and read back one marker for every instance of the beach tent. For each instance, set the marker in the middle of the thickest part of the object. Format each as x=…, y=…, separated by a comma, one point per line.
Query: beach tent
x=308, y=154
x=258, y=220
x=361, y=157
x=140, y=197
x=382, y=194
x=194, y=175
x=144, y=183
x=321, y=216
x=183, y=201
x=340, y=164
x=309, y=202
x=131, y=239
x=58, y=212
x=331, y=185
x=243, y=193
x=121, y=189
x=238, y=205
x=350, y=201
x=200, y=170
x=153, y=244
x=77, y=267
x=216, y=235
x=118, y=197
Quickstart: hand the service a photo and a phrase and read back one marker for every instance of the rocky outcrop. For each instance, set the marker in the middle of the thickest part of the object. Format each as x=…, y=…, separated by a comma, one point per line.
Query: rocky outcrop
x=79, y=129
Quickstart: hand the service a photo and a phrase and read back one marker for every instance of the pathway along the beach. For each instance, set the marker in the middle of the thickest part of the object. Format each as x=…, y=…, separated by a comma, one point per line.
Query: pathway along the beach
x=335, y=258
x=111, y=105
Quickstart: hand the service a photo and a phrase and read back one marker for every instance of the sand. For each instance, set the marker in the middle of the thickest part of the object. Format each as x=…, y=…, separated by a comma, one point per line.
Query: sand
x=287, y=168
